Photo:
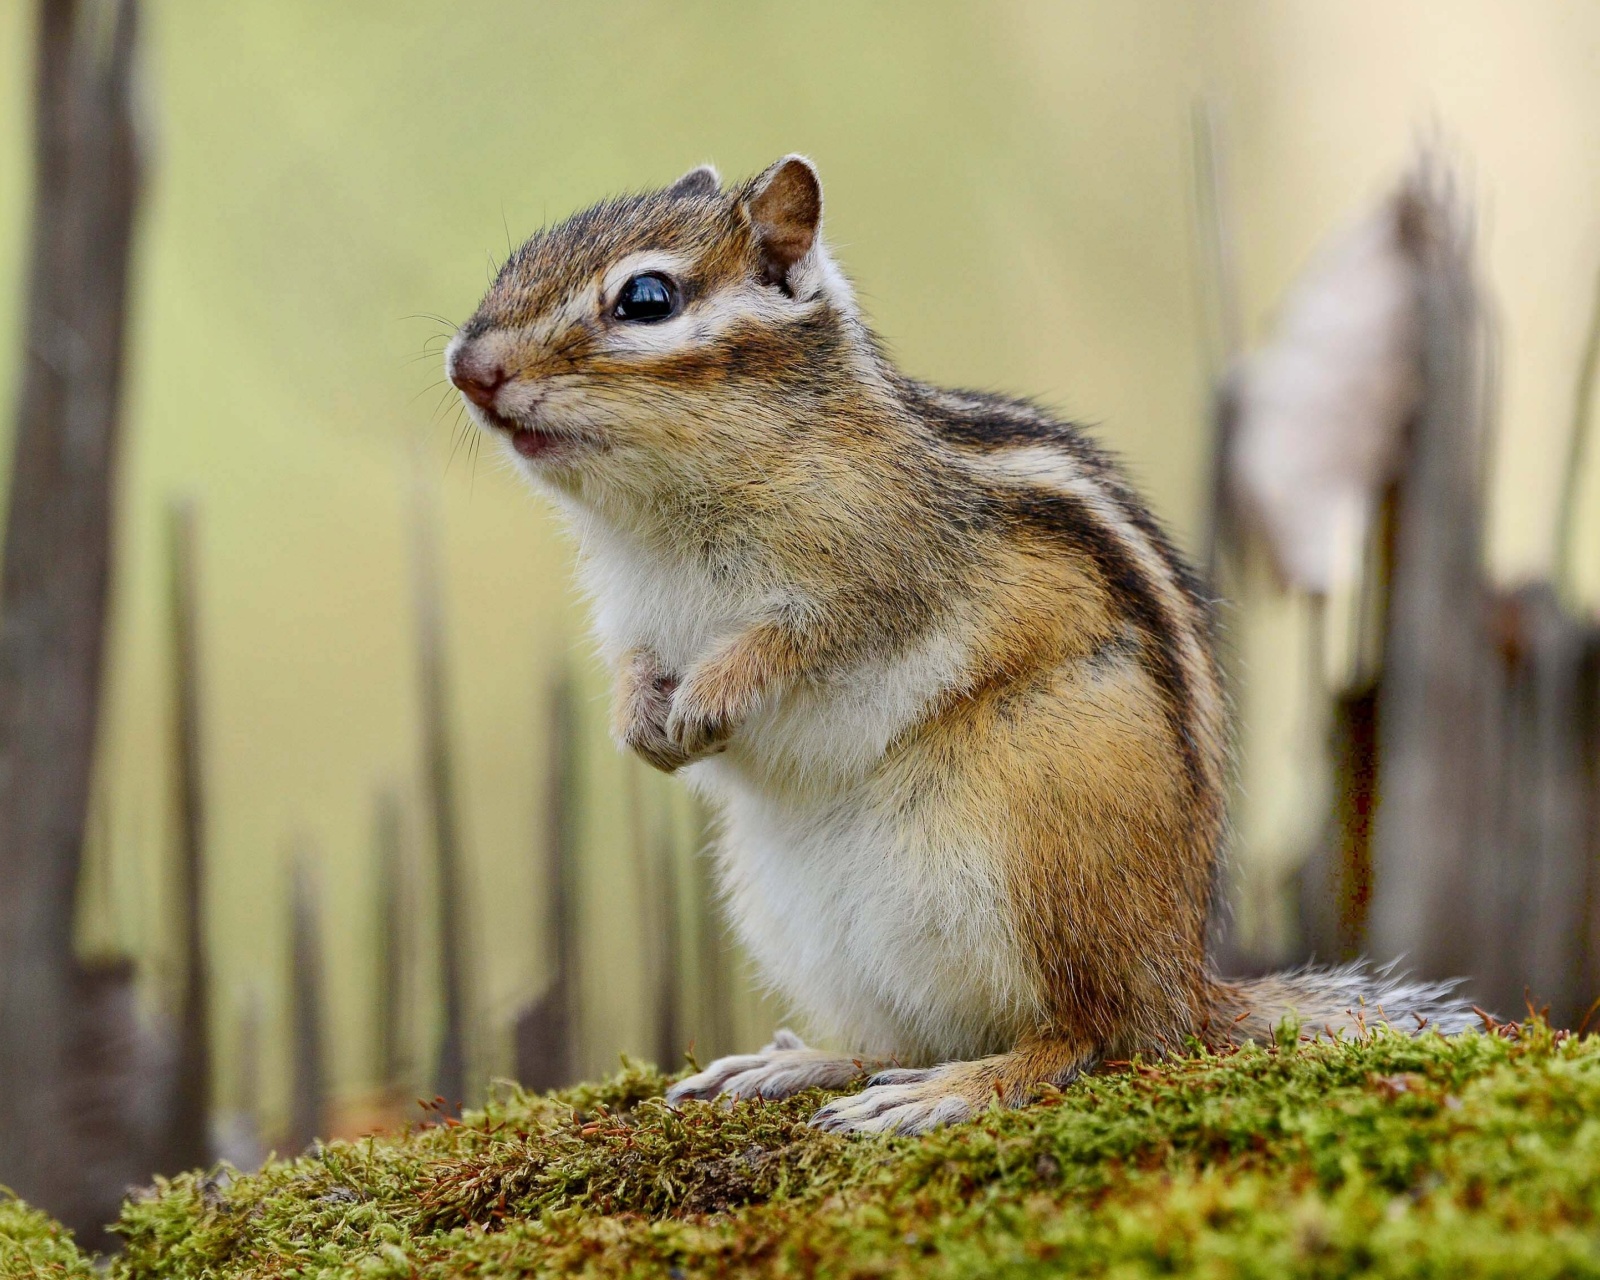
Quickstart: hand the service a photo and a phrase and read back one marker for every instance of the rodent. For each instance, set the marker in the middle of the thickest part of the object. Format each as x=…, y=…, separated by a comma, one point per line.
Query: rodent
x=947, y=682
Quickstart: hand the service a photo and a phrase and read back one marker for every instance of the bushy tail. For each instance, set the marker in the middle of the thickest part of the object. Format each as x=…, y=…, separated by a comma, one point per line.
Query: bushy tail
x=1338, y=1000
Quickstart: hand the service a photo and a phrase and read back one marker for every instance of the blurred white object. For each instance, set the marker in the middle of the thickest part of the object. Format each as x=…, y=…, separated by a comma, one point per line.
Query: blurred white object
x=1320, y=412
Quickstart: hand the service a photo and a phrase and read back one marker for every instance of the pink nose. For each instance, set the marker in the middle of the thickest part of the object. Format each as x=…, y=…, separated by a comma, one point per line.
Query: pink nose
x=477, y=379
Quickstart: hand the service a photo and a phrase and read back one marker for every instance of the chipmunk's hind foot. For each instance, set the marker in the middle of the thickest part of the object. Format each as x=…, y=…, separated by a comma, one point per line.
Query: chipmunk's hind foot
x=784, y=1068
x=916, y=1101
x=904, y=1101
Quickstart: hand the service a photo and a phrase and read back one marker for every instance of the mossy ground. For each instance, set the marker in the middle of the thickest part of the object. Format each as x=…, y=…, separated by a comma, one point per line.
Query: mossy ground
x=1478, y=1156
x=33, y=1245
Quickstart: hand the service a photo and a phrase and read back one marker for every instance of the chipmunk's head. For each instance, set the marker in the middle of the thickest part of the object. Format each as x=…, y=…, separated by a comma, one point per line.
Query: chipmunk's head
x=659, y=336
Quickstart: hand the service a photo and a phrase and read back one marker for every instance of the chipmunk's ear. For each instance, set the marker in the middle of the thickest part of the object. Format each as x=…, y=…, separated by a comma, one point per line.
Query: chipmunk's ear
x=784, y=206
x=703, y=181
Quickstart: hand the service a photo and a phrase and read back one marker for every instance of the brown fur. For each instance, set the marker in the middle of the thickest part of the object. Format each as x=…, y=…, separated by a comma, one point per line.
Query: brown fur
x=767, y=448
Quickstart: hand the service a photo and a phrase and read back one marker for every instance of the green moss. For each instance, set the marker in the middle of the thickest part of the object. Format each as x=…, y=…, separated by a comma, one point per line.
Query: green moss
x=1478, y=1156
x=32, y=1245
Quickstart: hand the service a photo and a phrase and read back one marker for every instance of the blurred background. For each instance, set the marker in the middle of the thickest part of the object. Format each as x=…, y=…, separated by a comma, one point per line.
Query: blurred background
x=354, y=833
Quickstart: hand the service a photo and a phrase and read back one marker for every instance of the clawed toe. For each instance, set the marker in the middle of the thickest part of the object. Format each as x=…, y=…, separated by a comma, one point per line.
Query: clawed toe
x=896, y=1101
x=902, y=1075
x=843, y=1115
x=714, y=1079
x=762, y=1082
x=781, y=1070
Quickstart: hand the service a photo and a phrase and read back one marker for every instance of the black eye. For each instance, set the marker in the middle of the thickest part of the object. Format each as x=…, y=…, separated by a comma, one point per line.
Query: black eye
x=647, y=297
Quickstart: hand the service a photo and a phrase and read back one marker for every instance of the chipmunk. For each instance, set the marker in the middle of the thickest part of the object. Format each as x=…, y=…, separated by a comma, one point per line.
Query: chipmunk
x=945, y=679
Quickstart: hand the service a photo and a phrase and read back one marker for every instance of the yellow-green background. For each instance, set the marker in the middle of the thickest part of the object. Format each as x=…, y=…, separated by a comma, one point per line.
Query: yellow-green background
x=1009, y=184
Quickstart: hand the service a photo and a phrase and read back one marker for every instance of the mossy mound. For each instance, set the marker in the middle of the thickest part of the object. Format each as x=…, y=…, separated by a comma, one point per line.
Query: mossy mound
x=32, y=1244
x=1478, y=1156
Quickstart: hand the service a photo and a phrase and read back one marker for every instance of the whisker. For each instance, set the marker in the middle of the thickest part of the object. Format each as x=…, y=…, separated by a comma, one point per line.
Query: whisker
x=439, y=408
x=435, y=383
x=455, y=447
x=435, y=317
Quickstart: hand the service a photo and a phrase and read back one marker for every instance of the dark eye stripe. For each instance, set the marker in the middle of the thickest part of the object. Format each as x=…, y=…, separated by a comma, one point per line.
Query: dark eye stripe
x=647, y=297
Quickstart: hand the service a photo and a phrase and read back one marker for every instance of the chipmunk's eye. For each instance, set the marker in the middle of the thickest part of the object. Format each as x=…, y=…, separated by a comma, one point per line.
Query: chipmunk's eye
x=649, y=296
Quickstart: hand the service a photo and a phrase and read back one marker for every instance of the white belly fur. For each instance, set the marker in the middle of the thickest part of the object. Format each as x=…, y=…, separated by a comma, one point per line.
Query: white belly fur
x=885, y=924
x=885, y=927
x=889, y=939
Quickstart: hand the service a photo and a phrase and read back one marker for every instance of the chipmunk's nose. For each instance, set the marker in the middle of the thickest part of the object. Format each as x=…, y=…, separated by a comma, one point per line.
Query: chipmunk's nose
x=478, y=378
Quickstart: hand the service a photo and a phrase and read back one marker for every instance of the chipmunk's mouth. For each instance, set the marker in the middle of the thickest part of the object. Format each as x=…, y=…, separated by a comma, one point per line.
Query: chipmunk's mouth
x=536, y=443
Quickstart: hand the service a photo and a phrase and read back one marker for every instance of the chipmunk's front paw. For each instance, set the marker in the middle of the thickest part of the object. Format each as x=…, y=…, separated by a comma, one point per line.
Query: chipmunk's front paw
x=644, y=701
x=905, y=1101
x=706, y=708
x=782, y=1069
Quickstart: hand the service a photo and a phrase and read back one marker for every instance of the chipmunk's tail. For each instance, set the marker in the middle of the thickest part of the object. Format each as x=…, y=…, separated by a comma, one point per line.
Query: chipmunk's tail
x=1337, y=1000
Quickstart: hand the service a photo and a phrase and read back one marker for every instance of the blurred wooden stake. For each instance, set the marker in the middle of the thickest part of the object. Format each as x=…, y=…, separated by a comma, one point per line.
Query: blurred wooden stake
x=188, y=1143
x=308, y=1090
x=669, y=1028
x=545, y=1034
x=450, y=1081
x=396, y=942
x=53, y=583
x=650, y=849
x=716, y=994
x=1554, y=947
x=1433, y=782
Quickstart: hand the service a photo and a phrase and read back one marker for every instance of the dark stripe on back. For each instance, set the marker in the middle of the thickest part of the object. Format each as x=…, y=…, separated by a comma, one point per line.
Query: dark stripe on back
x=982, y=420
x=990, y=423
x=1066, y=520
